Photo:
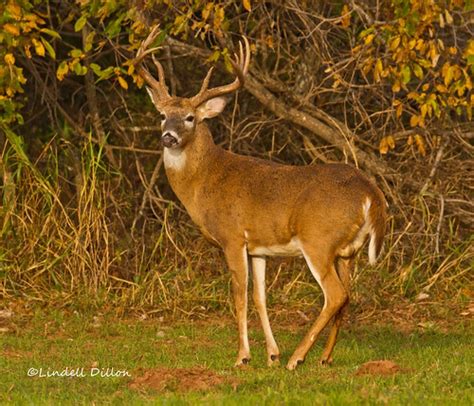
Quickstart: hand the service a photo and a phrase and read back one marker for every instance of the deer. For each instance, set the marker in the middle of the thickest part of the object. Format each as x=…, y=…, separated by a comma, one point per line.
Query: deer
x=254, y=208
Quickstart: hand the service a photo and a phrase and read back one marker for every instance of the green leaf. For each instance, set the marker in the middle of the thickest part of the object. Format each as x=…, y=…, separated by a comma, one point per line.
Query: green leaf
x=106, y=73
x=406, y=74
x=114, y=27
x=80, y=23
x=96, y=69
x=75, y=53
x=159, y=39
x=50, y=32
x=49, y=48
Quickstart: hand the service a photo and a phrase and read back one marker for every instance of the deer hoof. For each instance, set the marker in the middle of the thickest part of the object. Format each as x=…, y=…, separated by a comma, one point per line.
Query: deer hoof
x=273, y=360
x=325, y=361
x=242, y=362
x=293, y=363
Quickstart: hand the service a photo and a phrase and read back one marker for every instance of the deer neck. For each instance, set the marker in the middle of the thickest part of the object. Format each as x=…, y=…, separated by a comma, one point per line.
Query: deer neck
x=186, y=168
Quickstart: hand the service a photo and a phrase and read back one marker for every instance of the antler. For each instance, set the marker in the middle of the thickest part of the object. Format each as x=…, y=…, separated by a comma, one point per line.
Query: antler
x=240, y=64
x=158, y=86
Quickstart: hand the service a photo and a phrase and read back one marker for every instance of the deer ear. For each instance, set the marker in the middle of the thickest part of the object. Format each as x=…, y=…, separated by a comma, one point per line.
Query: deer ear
x=211, y=108
x=153, y=97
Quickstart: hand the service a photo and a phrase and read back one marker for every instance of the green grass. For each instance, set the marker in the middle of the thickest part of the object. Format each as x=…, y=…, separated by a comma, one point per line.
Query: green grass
x=437, y=365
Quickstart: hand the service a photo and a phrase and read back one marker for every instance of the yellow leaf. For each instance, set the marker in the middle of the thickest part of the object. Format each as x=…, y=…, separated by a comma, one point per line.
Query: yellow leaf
x=418, y=71
x=383, y=146
x=399, y=110
x=410, y=140
x=62, y=70
x=420, y=143
x=9, y=59
x=11, y=29
x=448, y=76
x=414, y=120
x=441, y=21
x=247, y=5
x=395, y=43
x=424, y=109
x=425, y=87
x=378, y=70
x=449, y=17
x=346, y=16
x=123, y=83
x=39, y=47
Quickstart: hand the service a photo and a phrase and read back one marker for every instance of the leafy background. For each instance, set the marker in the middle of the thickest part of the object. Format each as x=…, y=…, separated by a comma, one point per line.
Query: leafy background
x=87, y=217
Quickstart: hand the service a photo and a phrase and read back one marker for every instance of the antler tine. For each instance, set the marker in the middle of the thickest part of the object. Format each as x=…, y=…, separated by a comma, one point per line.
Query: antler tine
x=159, y=68
x=158, y=86
x=205, y=82
x=240, y=64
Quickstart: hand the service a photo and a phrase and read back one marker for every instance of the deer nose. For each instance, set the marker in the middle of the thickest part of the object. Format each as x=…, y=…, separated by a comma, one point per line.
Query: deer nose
x=169, y=139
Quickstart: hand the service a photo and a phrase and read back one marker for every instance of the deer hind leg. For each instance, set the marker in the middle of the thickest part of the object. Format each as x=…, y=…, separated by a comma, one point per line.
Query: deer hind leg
x=344, y=267
x=259, y=297
x=237, y=261
x=335, y=297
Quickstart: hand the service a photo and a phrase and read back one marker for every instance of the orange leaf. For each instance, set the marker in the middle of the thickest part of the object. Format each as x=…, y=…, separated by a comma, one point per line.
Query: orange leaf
x=247, y=5
x=414, y=120
x=15, y=10
x=11, y=29
x=122, y=82
x=383, y=146
x=391, y=142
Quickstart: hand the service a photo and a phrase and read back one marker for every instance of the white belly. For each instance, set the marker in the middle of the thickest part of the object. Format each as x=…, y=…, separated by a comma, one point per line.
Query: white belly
x=290, y=249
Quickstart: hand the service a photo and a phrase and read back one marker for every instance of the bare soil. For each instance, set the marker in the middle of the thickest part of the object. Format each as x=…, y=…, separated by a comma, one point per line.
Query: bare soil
x=383, y=367
x=181, y=380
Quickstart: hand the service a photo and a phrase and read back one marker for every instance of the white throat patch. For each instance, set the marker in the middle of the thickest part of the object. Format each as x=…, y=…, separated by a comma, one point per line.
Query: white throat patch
x=174, y=159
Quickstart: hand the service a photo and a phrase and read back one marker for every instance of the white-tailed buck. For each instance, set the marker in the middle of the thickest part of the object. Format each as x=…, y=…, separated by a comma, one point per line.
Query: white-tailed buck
x=254, y=208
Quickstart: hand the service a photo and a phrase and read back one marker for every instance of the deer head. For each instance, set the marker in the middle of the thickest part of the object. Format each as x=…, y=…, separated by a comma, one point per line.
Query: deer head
x=180, y=116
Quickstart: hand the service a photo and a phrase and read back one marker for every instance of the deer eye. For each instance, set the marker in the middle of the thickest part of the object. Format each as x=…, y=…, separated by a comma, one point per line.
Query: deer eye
x=162, y=117
x=189, y=118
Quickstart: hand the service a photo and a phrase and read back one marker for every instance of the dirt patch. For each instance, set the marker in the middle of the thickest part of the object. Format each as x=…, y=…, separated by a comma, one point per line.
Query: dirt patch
x=181, y=380
x=11, y=353
x=383, y=367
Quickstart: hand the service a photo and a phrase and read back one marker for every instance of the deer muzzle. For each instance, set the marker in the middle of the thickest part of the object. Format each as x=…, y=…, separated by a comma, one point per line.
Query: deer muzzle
x=170, y=139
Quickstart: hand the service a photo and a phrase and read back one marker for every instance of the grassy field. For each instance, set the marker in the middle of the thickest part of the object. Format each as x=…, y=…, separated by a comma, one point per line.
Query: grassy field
x=191, y=362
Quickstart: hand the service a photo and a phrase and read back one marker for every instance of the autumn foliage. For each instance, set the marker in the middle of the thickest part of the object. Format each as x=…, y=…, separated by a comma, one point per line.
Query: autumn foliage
x=385, y=85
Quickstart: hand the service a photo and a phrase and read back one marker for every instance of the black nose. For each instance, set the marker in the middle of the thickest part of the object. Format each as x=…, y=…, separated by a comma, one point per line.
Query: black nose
x=168, y=140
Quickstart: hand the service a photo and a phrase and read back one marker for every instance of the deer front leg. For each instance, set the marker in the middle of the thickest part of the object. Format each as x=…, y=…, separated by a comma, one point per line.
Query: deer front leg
x=259, y=297
x=237, y=261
